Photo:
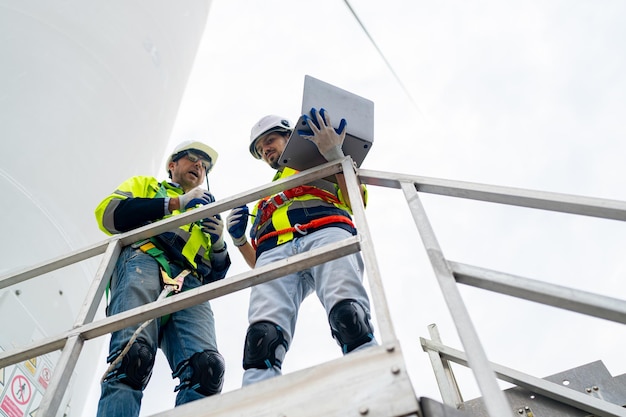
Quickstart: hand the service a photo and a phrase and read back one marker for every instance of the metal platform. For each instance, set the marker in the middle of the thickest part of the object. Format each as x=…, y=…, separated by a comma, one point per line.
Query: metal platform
x=373, y=382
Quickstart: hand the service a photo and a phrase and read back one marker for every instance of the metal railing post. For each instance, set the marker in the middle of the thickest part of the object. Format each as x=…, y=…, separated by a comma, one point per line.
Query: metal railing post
x=379, y=301
x=496, y=402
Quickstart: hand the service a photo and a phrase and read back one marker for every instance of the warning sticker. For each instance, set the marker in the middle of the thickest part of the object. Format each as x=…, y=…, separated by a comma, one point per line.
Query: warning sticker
x=21, y=389
x=18, y=393
x=31, y=365
x=11, y=410
x=44, y=377
x=22, y=386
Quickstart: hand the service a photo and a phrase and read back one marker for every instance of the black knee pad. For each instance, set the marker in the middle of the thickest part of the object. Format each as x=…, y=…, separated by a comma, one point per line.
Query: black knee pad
x=262, y=339
x=350, y=325
x=136, y=367
x=207, y=372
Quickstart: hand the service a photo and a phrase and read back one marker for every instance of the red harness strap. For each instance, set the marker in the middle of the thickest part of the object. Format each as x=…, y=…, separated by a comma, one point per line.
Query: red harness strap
x=302, y=228
x=269, y=205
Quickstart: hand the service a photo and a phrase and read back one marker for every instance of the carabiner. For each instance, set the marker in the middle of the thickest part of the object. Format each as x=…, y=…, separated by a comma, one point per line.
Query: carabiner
x=301, y=231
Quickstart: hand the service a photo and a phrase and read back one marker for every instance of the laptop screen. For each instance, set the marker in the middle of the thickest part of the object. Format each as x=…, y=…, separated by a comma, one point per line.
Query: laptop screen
x=340, y=104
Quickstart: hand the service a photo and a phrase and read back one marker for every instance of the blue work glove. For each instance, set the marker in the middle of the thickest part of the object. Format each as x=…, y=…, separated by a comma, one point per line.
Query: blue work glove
x=327, y=139
x=236, y=223
x=195, y=197
x=214, y=226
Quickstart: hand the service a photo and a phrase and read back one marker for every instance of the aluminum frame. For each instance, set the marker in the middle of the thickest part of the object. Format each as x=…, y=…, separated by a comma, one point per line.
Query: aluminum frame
x=448, y=274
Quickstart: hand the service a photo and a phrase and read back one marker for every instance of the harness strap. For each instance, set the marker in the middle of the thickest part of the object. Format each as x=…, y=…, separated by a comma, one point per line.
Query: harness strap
x=148, y=247
x=269, y=205
x=170, y=285
x=303, y=228
x=175, y=286
x=158, y=256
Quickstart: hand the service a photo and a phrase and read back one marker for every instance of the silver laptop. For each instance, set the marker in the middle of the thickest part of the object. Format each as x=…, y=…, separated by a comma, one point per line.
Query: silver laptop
x=301, y=154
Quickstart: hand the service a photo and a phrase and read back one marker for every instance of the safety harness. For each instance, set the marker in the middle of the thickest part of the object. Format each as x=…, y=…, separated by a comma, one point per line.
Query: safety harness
x=148, y=246
x=269, y=205
x=159, y=256
x=303, y=228
x=171, y=285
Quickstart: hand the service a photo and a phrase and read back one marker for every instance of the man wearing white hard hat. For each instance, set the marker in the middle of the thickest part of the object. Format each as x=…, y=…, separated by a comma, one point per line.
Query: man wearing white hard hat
x=292, y=222
x=195, y=251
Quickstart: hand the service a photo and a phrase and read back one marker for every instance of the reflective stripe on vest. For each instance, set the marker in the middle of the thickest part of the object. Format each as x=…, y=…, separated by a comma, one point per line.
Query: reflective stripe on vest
x=268, y=205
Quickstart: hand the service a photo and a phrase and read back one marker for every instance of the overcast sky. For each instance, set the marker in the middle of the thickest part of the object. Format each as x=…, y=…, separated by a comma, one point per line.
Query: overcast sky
x=526, y=94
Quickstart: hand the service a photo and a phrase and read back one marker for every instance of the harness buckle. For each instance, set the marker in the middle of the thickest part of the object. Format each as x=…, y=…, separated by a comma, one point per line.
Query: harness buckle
x=279, y=200
x=174, y=284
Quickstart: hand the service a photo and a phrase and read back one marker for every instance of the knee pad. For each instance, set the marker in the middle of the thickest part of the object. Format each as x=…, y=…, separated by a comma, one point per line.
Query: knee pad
x=262, y=340
x=136, y=367
x=349, y=324
x=207, y=373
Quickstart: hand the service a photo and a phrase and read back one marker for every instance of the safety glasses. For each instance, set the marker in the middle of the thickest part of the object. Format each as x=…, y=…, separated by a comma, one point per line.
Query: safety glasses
x=193, y=157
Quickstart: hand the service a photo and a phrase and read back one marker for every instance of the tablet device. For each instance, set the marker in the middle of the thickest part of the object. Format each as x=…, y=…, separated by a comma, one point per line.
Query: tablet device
x=301, y=154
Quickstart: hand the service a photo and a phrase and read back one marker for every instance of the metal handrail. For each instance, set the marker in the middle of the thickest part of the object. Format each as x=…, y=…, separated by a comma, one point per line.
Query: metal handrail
x=71, y=342
x=448, y=273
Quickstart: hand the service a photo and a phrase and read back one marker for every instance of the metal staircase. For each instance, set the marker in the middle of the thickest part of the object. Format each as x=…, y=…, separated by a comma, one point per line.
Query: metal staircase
x=377, y=378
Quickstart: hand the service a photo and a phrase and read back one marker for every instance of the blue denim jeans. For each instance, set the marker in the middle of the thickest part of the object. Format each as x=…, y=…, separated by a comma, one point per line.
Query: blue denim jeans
x=279, y=300
x=135, y=282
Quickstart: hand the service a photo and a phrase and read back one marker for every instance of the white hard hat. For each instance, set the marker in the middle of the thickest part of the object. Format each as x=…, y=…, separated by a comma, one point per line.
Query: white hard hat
x=267, y=124
x=196, y=146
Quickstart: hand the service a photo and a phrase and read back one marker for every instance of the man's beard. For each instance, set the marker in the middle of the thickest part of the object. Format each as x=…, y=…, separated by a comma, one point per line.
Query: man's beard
x=274, y=164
